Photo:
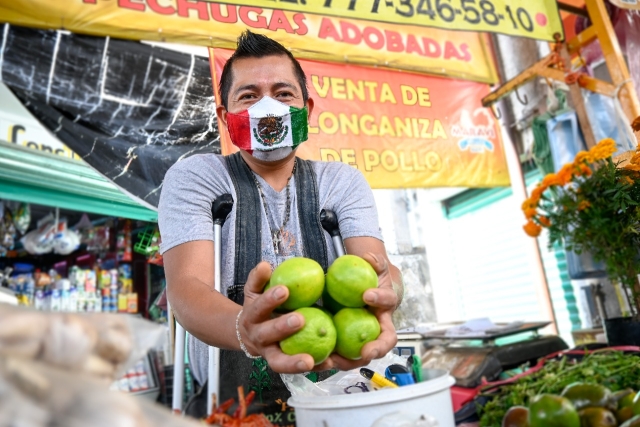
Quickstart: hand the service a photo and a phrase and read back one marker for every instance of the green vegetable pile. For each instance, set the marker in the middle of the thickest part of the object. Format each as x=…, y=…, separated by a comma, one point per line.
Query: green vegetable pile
x=614, y=370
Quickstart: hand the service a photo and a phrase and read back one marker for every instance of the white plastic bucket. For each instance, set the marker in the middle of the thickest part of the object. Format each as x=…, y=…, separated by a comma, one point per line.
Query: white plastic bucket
x=431, y=398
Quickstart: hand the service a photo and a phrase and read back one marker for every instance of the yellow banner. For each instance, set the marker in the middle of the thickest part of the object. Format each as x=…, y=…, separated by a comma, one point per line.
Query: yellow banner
x=539, y=19
x=324, y=38
x=401, y=130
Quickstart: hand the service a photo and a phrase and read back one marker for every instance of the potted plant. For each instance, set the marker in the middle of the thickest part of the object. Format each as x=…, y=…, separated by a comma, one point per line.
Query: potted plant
x=593, y=205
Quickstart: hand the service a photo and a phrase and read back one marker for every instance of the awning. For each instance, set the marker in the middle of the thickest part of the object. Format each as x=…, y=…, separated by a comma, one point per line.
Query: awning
x=31, y=176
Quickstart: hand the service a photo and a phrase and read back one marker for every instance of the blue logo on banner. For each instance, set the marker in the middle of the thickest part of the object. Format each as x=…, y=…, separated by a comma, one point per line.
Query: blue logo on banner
x=475, y=144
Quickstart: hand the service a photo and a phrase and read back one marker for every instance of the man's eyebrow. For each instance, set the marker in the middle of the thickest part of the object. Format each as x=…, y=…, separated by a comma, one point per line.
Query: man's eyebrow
x=278, y=85
x=245, y=87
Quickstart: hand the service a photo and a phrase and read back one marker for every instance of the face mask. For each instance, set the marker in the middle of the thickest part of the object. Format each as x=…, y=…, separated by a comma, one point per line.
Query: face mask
x=269, y=129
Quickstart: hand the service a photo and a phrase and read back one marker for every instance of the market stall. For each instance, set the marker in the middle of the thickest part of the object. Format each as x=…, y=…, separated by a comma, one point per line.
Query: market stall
x=404, y=124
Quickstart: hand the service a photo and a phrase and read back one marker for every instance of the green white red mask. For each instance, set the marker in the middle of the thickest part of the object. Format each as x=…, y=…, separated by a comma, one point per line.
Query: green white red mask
x=269, y=130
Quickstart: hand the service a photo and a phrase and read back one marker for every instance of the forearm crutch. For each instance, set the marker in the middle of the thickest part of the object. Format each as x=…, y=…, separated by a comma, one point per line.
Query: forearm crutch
x=220, y=209
x=329, y=222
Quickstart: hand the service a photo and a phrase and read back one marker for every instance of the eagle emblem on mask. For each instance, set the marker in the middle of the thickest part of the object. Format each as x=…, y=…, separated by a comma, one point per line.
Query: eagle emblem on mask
x=270, y=131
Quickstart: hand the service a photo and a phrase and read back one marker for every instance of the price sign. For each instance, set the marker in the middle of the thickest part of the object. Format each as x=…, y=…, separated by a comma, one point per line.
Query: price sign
x=538, y=19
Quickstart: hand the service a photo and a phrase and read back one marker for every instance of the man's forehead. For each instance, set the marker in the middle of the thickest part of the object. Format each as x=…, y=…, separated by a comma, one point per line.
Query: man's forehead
x=271, y=70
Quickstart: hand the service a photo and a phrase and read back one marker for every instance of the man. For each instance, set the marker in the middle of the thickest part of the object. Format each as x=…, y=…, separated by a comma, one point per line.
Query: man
x=263, y=79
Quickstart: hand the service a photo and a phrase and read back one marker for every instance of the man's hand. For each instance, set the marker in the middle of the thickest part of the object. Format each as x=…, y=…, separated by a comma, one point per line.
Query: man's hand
x=260, y=332
x=382, y=302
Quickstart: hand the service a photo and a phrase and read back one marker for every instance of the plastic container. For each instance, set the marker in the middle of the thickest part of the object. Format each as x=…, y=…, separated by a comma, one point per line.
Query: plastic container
x=431, y=398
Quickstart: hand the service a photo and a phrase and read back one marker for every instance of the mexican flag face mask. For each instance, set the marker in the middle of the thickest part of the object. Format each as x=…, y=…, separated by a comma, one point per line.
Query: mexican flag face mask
x=269, y=130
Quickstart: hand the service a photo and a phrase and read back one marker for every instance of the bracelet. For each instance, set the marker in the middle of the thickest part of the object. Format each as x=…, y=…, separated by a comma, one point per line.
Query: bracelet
x=242, y=346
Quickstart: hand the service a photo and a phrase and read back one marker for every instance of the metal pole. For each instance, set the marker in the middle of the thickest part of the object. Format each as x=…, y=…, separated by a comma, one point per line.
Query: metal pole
x=178, y=370
x=213, y=383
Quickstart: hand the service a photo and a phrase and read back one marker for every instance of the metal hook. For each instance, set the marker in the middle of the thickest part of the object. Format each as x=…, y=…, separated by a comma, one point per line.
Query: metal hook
x=497, y=115
x=523, y=101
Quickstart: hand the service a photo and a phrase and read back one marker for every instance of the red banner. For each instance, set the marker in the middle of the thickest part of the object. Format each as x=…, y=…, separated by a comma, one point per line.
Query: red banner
x=401, y=130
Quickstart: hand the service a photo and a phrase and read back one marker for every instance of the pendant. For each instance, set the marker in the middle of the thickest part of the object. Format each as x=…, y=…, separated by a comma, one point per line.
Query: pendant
x=275, y=237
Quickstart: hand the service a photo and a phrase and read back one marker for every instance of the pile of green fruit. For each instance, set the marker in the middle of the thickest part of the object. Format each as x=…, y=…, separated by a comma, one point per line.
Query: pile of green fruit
x=342, y=324
x=614, y=370
x=579, y=405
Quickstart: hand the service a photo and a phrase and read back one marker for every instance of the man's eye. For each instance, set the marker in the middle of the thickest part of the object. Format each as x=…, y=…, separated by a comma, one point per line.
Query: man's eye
x=284, y=94
x=247, y=96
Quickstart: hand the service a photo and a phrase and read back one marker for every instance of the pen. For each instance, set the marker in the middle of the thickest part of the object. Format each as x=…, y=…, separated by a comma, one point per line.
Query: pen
x=376, y=378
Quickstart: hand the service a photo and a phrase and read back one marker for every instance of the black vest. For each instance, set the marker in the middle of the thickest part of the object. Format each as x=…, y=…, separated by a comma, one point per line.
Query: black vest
x=235, y=368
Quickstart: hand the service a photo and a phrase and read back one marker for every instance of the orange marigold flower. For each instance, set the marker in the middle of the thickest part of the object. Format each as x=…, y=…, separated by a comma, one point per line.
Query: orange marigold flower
x=544, y=221
x=635, y=159
x=604, y=149
x=584, y=204
x=626, y=180
x=530, y=213
x=583, y=156
x=632, y=167
x=586, y=170
x=551, y=179
x=536, y=194
x=532, y=229
x=565, y=174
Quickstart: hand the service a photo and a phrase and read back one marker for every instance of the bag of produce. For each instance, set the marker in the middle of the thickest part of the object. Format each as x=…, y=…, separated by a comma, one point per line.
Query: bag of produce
x=101, y=344
x=37, y=395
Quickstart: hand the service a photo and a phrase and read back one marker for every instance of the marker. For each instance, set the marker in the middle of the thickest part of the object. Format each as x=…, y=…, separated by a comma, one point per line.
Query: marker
x=377, y=379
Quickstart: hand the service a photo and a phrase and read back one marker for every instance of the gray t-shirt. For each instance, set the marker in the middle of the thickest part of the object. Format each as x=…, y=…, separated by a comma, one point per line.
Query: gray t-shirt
x=184, y=215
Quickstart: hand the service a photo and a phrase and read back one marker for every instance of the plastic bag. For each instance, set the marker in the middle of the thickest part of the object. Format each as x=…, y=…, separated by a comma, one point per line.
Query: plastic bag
x=101, y=344
x=344, y=382
x=22, y=218
x=7, y=229
x=40, y=240
x=37, y=395
x=608, y=120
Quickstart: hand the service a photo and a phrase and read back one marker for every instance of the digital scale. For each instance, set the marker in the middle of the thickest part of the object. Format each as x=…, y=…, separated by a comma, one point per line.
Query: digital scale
x=472, y=358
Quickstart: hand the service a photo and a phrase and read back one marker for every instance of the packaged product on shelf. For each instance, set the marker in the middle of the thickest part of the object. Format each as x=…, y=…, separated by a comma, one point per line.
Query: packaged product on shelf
x=90, y=281
x=42, y=279
x=113, y=273
x=39, y=301
x=105, y=279
x=123, y=243
x=122, y=303
x=134, y=384
x=132, y=303
x=55, y=300
x=97, y=302
x=73, y=300
x=105, y=345
x=123, y=384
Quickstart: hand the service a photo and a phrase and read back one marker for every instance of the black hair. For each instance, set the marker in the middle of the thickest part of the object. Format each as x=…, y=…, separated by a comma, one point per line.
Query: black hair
x=251, y=45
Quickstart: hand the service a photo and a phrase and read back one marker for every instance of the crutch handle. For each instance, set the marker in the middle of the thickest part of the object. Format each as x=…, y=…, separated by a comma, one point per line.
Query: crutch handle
x=329, y=222
x=220, y=209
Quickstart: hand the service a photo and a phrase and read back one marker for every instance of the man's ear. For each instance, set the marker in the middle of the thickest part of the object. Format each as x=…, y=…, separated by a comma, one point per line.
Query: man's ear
x=221, y=112
x=310, y=104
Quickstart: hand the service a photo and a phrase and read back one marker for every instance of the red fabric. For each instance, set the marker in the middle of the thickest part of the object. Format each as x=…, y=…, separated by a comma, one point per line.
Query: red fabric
x=239, y=126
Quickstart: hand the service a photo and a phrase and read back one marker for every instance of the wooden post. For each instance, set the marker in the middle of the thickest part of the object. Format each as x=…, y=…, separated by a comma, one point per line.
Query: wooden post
x=575, y=92
x=613, y=57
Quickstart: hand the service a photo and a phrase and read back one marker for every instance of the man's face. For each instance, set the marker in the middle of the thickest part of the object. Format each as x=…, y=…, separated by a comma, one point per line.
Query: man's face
x=254, y=78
